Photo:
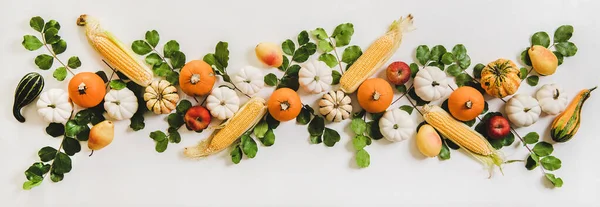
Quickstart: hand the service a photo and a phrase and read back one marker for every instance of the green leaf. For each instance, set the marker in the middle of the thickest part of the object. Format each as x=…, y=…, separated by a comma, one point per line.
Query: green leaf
x=71, y=146
x=183, y=106
x=540, y=38
x=103, y=76
x=543, y=149
x=55, y=177
x=465, y=62
x=236, y=154
x=74, y=62
x=533, y=80
x=525, y=57
x=302, y=54
x=61, y=164
x=158, y=136
x=363, y=159
x=563, y=33
x=273, y=124
x=174, y=136
x=445, y=151
x=319, y=34
x=453, y=70
x=55, y=129
x=152, y=37
x=328, y=59
x=288, y=47
x=141, y=47
x=161, y=146
x=304, y=117
x=59, y=47
x=559, y=56
x=336, y=77
x=270, y=79
x=117, y=84
x=31, y=42
x=437, y=52
x=459, y=51
x=551, y=163
x=409, y=109
x=303, y=38
x=359, y=142
x=401, y=88
x=324, y=46
x=463, y=79
x=343, y=34
x=351, y=54
x=222, y=54
x=28, y=185
x=72, y=128
x=316, y=126
x=37, y=23
x=137, y=122
x=315, y=139
x=249, y=146
x=51, y=36
x=532, y=162
x=566, y=49
x=358, y=126
x=448, y=58
x=523, y=73
x=177, y=59
x=289, y=82
x=84, y=135
x=161, y=69
x=153, y=59
x=293, y=70
x=175, y=120
x=485, y=108
x=557, y=182
x=330, y=137
x=269, y=138
x=51, y=24
x=414, y=68
x=261, y=129
x=44, y=61
x=531, y=138
x=170, y=47
x=47, y=153
x=373, y=130
x=508, y=139
x=60, y=73
x=284, y=64
x=423, y=54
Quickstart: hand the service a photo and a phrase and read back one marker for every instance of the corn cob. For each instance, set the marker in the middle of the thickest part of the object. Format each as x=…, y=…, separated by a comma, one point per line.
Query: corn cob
x=113, y=51
x=465, y=137
x=243, y=120
x=378, y=53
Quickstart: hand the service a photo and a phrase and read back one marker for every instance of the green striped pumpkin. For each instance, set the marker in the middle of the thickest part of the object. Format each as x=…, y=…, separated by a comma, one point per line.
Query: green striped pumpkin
x=29, y=88
x=566, y=124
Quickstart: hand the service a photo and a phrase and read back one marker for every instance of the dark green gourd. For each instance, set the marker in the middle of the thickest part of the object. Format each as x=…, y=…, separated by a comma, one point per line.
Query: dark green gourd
x=29, y=88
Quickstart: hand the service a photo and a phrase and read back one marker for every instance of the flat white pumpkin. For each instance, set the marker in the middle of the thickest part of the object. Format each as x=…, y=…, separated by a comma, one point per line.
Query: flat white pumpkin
x=120, y=104
x=396, y=125
x=315, y=76
x=552, y=99
x=522, y=110
x=430, y=84
x=335, y=106
x=54, y=106
x=249, y=80
x=222, y=103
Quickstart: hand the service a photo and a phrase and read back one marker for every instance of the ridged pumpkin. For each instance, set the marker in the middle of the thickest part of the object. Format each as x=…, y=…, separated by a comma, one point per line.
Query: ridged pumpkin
x=197, y=78
x=566, y=124
x=466, y=103
x=375, y=95
x=86, y=89
x=500, y=78
x=284, y=104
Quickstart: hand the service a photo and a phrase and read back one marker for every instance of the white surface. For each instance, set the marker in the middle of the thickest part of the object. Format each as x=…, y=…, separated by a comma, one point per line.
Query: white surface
x=294, y=172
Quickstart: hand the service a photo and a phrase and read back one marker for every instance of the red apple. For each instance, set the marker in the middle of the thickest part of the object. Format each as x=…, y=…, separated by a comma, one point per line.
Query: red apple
x=197, y=118
x=398, y=73
x=497, y=127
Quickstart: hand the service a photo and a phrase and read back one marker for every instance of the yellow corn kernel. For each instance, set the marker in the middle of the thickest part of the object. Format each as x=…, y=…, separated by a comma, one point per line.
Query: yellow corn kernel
x=243, y=120
x=114, y=52
x=378, y=53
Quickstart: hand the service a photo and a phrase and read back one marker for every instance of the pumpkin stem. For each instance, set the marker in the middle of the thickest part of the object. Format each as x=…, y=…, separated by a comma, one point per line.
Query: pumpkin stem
x=317, y=78
x=81, y=88
x=376, y=95
x=526, y=110
x=434, y=83
x=395, y=126
x=469, y=104
x=594, y=88
x=117, y=102
x=52, y=106
x=556, y=94
x=284, y=105
x=195, y=79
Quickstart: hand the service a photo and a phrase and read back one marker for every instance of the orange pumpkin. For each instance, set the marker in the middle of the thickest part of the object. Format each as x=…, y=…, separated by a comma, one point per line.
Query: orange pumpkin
x=375, y=95
x=284, y=104
x=197, y=78
x=466, y=103
x=86, y=89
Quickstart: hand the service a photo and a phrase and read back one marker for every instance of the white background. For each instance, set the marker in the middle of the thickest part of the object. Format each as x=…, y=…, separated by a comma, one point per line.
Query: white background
x=293, y=172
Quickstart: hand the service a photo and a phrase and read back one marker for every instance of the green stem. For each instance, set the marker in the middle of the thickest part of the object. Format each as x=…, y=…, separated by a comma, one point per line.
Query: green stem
x=54, y=54
x=337, y=57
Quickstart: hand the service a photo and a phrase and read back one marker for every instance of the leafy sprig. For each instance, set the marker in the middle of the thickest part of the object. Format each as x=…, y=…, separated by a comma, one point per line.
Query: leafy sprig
x=341, y=37
x=264, y=131
x=54, y=44
x=541, y=154
x=175, y=121
x=166, y=65
x=219, y=62
x=291, y=58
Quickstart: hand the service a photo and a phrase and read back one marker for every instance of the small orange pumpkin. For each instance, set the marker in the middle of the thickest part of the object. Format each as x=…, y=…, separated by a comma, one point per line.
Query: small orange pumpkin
x=86, y=89
x=284, y=104
x=375, y=95
x=466, y=103
x=197, y=78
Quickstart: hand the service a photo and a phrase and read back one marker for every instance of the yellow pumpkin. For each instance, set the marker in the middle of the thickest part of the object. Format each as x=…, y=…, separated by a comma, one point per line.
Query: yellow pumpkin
x=500, y=78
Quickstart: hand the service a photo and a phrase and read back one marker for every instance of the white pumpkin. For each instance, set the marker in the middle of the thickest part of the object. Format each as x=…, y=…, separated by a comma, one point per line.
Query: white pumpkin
x=335, y=106
x=222, y=103
x=396, y=125
x=522, y=110
x=552, y=99
x=430, y=84
x=249, y=80
x=120, y=104
x=315, y=76
x=54, y=106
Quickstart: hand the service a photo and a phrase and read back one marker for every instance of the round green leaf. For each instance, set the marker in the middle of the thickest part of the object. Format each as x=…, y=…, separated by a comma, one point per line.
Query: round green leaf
x=343, y=34
x=351, y=54
x=359, y=142
x=174, y=136
x=325, y=46
x=270, y=79
x=44, y=61
x=51, y=24
x=531, y=138
x=60, y=73
x=171, y=46
x=437, y=52
x=459, y=51
x=74, y=62
x=563, y=33
x=31, y=42
x=55, y=129
x=71, y=146
x=61, y=164
x=236, y=154
x=183, y=106
x=59, y=47
x=543, y=149
x=567, y=49
x=557, y=182
x=152, y=37
x=288, y=47
x=175, y=120
x=551, y=163
x=141, y=47
x=177, y=59
x=363, y=159
x=319, y=34
x=477, y=70
x=37, y=23
x=464, y=62
x=261, y=129
x=336, y=77
x=559, y=56
x=153, y=59
x=358, y=126
x=303, y=38
x=162, y=145
x=533, y=80
x=523, y=73
x=328, y=59
x=269, y=138
x=525, y=57
x=414, y=68
x=47, y=153
x=330, y=137
x=158, y=136
x=55, y=177
x=249, y=146
x=316, y=126
x=453, y=70
x=448, y=58
x=540, y=38
x=72, y=128
x=532, y=162
x=304, y=117
x=51, y=36
x=117, y=84
x=423, y=54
